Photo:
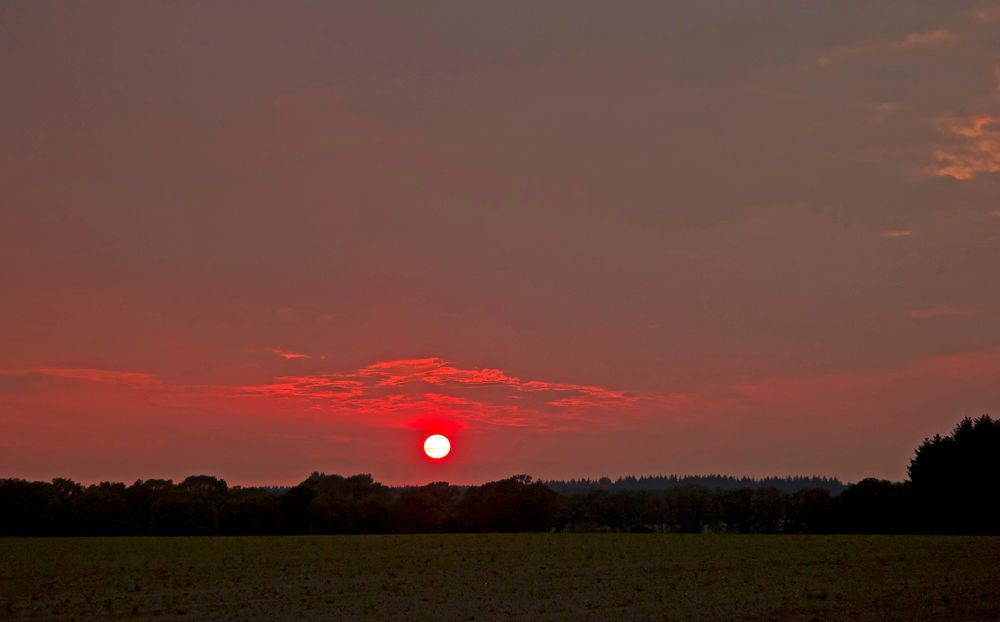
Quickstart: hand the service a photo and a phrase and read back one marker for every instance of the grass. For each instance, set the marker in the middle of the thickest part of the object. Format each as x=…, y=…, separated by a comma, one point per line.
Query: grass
x=516, y=577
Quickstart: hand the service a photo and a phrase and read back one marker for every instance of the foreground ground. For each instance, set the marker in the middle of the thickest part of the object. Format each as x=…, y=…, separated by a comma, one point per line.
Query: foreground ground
x=486, y=577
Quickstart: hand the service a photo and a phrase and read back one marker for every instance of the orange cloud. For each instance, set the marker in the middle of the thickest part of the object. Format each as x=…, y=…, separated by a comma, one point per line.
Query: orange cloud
x=933, y=38
x=897, y=233
x=974, y=150
x=288, y=355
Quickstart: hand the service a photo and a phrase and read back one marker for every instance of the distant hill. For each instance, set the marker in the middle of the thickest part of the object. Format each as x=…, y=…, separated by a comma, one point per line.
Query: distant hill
x=711, y=482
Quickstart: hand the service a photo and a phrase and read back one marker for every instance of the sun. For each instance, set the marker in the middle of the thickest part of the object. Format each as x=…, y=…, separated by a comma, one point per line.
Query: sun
x=437, y=446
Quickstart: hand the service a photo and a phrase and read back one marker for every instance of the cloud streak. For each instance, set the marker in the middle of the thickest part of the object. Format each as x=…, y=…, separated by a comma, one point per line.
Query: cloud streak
x=907, y=43
x=934, y=38
x=88, y=374
x=287, y=355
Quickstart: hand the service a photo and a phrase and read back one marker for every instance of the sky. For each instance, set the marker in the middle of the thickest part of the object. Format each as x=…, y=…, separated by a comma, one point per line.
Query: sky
x=257, y=240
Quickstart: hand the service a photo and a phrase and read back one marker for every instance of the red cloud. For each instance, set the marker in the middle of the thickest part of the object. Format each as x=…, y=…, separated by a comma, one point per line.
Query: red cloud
x=432, y=386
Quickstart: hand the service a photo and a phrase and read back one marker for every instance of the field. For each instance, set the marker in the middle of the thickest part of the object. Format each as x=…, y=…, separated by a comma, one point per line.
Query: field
x=516, y=577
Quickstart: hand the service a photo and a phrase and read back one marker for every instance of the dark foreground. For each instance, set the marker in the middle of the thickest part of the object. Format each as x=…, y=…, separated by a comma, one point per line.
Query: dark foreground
x=486, y=577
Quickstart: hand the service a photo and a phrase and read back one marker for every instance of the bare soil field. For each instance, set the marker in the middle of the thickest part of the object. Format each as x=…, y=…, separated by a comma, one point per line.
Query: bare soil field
x=502, y=577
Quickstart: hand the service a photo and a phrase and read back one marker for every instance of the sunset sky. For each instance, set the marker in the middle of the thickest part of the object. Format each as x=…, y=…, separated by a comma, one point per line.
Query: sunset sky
x=261, y=239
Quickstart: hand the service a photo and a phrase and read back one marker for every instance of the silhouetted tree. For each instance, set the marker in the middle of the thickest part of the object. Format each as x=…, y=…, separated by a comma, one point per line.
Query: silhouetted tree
x=26, y=508
x=509, y=505
x=427, y=509
x=294, y=506
x=251, y=512
x=873, y=506
x=141, y=497
x=205, y=485
x=356, y=504
x=102, y=510
x=810, y=511
x=956, y=479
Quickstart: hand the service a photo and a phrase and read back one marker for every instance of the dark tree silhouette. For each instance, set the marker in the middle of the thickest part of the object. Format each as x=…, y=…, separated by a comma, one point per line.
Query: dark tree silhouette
x=956, y=479
x=873, y=506
x=513, y=504
x=712, y=482
x=427, y=509
x=355, y=504
x=251, y=512
x=102, y=510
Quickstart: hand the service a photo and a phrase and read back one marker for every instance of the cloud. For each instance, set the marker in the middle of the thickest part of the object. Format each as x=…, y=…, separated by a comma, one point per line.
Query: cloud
x=88, y=374
x=897, y=233
x=285, y=354
x=974, y=148
x=434, y=387
x=986, y=13
x=940, y=311
x=907, y=43
x=881, y=112
x=933, y=38
x=394, y=389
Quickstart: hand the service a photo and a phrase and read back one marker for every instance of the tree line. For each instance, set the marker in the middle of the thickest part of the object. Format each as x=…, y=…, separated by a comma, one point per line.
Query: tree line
x=714, y=482
x=953, y=487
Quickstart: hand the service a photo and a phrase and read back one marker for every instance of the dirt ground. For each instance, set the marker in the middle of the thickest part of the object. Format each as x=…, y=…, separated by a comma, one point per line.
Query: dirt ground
x=490, y=577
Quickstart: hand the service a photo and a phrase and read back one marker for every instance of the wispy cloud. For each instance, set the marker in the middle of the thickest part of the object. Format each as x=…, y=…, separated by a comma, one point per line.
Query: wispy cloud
x=287, y=355
x=88, y=374
x=907, y=43
x=897, y=233
x=933, y=38
x=986, y=13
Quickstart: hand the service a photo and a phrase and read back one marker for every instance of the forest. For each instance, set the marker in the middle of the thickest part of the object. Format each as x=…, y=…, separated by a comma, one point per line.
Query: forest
x=953, y=487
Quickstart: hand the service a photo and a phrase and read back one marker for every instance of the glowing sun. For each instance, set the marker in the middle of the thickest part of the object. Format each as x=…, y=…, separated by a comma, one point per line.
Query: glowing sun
x=437, y=446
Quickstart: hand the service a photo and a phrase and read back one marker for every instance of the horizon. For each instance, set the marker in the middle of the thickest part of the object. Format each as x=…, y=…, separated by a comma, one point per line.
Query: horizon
x=178, y=479
x=258, y=240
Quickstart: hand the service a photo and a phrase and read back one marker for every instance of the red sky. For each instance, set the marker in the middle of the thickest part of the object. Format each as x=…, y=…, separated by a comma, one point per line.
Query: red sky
x=259, y=240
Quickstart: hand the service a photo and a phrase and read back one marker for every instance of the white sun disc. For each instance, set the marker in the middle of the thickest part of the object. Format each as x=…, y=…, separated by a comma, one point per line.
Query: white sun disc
x=437, y=446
